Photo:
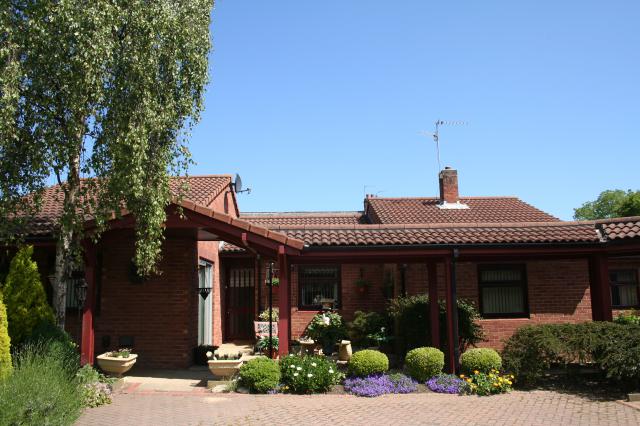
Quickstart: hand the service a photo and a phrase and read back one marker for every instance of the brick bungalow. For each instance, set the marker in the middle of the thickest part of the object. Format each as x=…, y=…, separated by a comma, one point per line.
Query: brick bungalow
x=519, y=265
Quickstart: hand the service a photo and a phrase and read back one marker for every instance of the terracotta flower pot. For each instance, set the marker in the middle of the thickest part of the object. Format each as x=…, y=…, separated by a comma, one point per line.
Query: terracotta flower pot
x=116, y=366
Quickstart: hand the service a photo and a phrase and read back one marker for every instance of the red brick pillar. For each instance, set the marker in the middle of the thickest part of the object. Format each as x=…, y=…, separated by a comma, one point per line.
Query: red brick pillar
x=284, y=303
x=87, y=342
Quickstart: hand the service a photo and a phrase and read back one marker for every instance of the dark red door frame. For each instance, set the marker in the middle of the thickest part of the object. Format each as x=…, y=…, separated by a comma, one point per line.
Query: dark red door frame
x=284, y=302
x=87, y=342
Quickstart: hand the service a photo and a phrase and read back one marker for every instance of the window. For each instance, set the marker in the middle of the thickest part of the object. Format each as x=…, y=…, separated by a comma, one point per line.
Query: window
x=72, y=297
x=204, y=305
x=624, y=288
x=316, y=283
x=503, y=291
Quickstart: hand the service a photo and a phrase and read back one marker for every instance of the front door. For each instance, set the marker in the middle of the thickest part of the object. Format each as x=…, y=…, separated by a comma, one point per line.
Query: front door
x=239, y=304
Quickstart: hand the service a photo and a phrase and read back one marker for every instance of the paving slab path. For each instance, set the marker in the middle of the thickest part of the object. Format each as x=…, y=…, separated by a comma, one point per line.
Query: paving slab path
x=516, y=408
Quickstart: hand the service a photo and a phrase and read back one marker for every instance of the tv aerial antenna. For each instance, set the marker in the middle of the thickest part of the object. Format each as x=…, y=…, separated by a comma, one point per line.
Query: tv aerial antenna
x=436, y=134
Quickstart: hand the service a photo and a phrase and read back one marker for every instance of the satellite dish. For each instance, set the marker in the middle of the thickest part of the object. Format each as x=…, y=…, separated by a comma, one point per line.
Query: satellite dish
x=237, y=185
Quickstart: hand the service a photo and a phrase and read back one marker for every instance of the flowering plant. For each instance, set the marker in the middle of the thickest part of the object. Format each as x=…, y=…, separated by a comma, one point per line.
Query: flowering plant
x=447, y=383
x=488, y=383
x=308, y=374
x=380, y=384
x=326, y=328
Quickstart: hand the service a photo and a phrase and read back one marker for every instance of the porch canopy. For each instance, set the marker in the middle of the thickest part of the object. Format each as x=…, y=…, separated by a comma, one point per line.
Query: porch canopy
x=206, y=224
x=430, y=244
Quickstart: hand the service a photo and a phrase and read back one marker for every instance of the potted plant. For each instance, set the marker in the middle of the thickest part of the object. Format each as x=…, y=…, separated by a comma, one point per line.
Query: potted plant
x=117, y=362
x=275, y=281
x=362, y=285
x=326, y=328
x=263, y=346
x=261, y=327
x=226, y=365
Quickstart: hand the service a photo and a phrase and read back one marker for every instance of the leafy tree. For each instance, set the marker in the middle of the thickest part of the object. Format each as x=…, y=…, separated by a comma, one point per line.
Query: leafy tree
x=5, y=343
x=610, y=203
x=103, y=89
x=25, y=297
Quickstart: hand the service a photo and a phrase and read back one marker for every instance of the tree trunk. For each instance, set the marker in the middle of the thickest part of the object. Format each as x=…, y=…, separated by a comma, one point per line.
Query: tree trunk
x=65, y=249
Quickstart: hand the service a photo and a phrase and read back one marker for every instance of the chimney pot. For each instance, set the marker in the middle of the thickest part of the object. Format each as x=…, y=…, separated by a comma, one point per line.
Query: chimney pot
x=448, y=185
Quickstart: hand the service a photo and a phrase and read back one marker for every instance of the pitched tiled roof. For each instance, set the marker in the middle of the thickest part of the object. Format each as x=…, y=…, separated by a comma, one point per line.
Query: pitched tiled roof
x=620, y=228
x=201, y=190
x=304, y=218
x=425, y=234
x=426, y=210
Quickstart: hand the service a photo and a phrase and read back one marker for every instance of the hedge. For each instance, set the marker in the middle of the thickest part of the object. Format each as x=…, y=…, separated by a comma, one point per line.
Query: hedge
x=5, y=343
x=424, y=363
x=480, y=359
x=260, y=375
x=613, y=348
x=367, y=362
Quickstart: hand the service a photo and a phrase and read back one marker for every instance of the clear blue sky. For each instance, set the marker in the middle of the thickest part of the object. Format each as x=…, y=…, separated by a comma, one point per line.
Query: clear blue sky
x=310, y=101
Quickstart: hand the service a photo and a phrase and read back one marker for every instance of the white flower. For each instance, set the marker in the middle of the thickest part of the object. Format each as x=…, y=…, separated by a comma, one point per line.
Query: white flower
x=298, y=368
x=326, y=320
x=309, y=375
x=313, y=364
x=209, y=354
x=331, y=371
x=292, y=366
x=295, y=374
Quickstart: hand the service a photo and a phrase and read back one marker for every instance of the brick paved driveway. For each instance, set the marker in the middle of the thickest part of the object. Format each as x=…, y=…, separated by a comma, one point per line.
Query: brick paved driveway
x=517, y=408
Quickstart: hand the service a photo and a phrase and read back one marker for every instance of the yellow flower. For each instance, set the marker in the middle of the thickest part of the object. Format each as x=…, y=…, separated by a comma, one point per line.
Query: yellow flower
x=476, y=372
x=462, y=376
x=468, y=380
x=495, y=384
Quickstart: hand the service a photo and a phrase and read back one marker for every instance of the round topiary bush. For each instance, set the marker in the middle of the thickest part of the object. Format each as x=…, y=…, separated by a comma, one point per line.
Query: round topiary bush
x=260, y=375
x=424, y=363
x=368, y=362
x=480, y=359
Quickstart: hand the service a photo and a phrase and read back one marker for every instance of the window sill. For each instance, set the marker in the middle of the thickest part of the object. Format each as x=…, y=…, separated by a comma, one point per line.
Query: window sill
x=505, y=317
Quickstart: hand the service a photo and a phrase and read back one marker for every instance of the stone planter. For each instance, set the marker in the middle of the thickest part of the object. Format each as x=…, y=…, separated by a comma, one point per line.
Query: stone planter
x=226, y=368
x=116, y=366
x=344, y=353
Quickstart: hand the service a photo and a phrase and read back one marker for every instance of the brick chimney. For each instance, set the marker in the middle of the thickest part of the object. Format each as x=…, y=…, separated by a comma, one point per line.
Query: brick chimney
x=448, y=186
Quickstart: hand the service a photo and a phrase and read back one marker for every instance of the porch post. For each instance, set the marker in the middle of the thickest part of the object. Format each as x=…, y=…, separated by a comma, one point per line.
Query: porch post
x=434, y=309
x=600, y=288
x=284, y=303
x=88, y=335
x=452, y=314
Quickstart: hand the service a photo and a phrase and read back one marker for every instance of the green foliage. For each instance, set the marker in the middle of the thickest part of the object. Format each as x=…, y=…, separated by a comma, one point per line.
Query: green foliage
x=367, y=362
x=39, y=392
x=260, y=375
x=98, y=89
x=368, y=328
x=308, y=374
x=614, y=348
x=424, y=363
x=56, y=344
x=412, y=316
x=263, y=343
x=610, y=203
x=25, y=297
x=95, y=388
x=326, y=327
x=480, y=359
x=632, y=317
x=488, y=383
x=275, y=315
x=5, y=343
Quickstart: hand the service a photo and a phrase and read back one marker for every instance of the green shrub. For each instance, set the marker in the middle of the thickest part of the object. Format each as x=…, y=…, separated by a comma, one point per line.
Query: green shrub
x=632, y=317
x=326, y=328
x=367, y=362
x=95, y=388
x=5, y=344
x=424, y=363
x=275, y=315
x=260, y=375
x=39, y=392
x=412, y=317
x=24, y=297
x=614, y=348
x=368, y=328
x=56, y=344
x=308, y=374
x=480, y=359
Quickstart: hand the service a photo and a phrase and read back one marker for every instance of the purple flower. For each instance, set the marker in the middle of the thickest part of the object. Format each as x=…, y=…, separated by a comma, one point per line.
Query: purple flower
x=377, y=385
x=446, y=383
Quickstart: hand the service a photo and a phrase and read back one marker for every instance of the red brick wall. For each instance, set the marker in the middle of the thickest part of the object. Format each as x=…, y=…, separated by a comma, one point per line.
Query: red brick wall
x=160, y=313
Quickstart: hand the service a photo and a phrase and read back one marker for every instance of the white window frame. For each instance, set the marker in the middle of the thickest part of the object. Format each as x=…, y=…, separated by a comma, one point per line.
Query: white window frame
x=205, y=307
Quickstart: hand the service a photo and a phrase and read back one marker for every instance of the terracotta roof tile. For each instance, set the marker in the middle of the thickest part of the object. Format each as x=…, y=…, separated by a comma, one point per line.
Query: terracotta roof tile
x=620, y=228
x=425, y=234
x=202, y=191
x=426, y=210
x=304, y=218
